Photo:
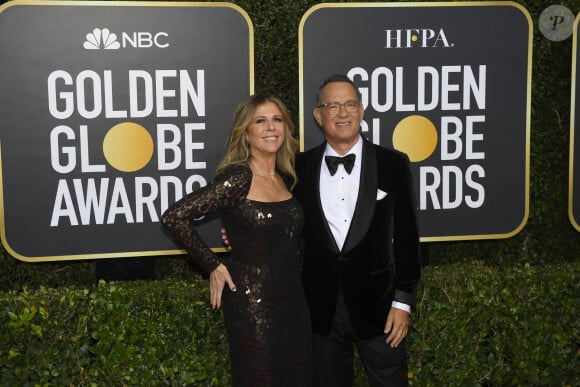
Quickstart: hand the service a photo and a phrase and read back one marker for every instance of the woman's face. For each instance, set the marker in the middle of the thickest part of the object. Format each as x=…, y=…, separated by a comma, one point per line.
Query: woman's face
x=266, y=131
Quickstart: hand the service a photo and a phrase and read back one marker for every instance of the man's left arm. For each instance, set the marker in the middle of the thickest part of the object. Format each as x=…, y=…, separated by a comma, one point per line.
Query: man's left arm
x=406, y=247
x=407, y=258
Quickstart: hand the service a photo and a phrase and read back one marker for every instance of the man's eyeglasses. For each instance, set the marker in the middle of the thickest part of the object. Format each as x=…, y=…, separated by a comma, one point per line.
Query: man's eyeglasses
x=333, y=107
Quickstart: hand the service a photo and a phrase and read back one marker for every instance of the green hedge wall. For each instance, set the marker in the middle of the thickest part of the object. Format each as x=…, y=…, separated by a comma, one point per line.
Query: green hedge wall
x=474, y=325
x=126, y=333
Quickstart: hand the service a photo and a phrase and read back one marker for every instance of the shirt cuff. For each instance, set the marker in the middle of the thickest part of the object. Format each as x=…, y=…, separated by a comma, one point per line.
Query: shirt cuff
x=400, y=305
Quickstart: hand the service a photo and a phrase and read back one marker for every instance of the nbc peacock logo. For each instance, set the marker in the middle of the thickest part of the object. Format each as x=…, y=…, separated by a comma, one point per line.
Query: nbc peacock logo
x=104, y=39
x=101, y=39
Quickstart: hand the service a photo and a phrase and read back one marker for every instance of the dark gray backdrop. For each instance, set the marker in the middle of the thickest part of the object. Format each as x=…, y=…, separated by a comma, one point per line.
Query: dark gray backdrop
x=336, y=38
x=37, y=39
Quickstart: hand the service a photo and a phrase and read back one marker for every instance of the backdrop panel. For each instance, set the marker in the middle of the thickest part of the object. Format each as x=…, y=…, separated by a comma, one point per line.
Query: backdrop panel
x=110, y=112
x=447, y=83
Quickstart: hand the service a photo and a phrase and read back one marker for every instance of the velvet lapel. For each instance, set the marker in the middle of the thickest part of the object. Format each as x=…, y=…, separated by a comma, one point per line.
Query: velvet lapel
x=367, y=196
x=313, y=204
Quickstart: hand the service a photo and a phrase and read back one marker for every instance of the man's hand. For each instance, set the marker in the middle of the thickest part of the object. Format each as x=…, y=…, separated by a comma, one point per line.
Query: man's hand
x=217, y=280
x=397, y=326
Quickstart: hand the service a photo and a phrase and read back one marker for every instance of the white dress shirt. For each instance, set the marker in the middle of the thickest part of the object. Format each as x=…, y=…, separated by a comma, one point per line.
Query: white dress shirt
x=338, y=193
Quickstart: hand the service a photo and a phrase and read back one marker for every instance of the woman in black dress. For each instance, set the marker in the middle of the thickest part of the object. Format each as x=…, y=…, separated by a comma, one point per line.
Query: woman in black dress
x=265, y=310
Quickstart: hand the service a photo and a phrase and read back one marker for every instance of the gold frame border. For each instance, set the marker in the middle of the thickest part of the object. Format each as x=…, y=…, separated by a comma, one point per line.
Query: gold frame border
x=435, y=4
x=572, y=119
x=126, y=254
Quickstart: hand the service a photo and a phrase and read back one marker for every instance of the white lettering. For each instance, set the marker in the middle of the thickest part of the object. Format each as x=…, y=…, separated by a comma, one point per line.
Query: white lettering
x=426, y=188
x=450, y=183
x=387, y=92
x=143, y=200
x=422, y=104
x=89, y=203
x=108, y=86
x=65, y=96
x=165, y=146
x=95, y=86
x=63, y=198
x=85, y=163
x=190, y=146
x=457, y=181
x=87, y=94
x=147, y=94
x=69, y=152
x=188, y=92
x=163, y=94
x=449, y=88
x=448, y=136
x=97, y=202
x=119, y=203
x=469, y=200
x=470, y=137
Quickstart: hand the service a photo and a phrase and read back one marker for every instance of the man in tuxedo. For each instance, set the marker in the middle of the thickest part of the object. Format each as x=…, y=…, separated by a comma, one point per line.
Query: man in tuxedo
x=361, y=252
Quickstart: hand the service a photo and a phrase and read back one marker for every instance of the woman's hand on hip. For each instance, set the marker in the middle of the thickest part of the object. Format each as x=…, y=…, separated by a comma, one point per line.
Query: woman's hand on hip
x=217, y=280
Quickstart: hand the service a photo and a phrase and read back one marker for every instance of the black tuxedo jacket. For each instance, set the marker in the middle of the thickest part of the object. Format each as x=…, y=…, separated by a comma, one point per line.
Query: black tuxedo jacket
x=379, y=261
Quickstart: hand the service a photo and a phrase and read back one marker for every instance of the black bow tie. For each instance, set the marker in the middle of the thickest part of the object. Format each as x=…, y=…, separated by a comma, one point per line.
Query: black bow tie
x=333, y=161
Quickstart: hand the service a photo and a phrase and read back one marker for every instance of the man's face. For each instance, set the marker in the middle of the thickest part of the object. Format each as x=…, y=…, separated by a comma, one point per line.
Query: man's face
x=340, y=115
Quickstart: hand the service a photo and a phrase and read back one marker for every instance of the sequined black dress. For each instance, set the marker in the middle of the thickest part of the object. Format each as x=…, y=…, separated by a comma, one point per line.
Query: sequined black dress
x=267, y=319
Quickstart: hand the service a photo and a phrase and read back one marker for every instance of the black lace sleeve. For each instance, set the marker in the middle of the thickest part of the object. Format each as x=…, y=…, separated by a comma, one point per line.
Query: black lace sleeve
x=226, y=190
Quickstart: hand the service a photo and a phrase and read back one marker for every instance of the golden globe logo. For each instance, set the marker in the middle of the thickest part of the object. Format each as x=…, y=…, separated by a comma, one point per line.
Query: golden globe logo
x=128, y=147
